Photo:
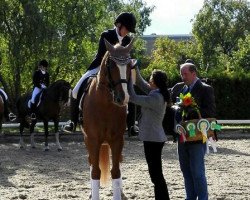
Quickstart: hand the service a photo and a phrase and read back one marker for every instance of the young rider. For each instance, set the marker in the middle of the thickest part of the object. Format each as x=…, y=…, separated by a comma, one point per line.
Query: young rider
x=124, y=24
x=40, y=82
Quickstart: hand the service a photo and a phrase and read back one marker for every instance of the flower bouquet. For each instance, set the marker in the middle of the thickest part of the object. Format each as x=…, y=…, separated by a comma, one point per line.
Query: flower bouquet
x=189, y=107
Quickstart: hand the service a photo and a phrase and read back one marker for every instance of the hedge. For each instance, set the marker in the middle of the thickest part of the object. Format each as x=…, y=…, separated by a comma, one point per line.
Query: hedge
x=232, y=96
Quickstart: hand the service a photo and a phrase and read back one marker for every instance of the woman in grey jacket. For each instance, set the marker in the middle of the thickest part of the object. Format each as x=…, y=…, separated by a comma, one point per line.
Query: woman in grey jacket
x=153, y=106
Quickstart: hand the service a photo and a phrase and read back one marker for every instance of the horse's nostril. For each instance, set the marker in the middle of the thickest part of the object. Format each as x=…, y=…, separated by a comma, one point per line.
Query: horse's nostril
x=118, y=100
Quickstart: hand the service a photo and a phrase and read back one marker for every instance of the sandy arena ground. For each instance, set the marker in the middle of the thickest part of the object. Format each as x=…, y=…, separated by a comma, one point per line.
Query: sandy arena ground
x=34, y=174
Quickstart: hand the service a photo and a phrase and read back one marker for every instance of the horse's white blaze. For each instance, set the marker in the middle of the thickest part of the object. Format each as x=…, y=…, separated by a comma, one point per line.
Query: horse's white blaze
x=123, y=75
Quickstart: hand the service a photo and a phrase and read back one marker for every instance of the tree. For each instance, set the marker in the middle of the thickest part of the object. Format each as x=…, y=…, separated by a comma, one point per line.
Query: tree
x=169, y=54
x=219, y=26
x=64, y=32
x=241, y=58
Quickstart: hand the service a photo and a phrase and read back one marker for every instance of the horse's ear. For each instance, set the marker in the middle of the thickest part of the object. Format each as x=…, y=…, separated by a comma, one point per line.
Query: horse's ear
x=109, y=46
x=130, y=45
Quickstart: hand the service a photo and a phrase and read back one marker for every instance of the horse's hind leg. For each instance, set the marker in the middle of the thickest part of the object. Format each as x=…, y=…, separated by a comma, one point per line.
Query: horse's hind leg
x=59, y=147
x=116, y=148
x=21, y=128
x=32, y=134
x=46, y=131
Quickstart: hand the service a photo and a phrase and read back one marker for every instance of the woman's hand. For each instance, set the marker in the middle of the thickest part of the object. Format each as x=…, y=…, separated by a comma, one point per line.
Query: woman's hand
x=135, y=63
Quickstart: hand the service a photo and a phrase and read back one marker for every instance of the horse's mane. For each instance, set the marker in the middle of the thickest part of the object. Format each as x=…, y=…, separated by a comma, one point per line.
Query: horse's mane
x=104, y=60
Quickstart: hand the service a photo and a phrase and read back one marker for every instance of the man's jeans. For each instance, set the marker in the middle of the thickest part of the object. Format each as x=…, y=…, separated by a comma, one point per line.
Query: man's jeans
x=191, y=158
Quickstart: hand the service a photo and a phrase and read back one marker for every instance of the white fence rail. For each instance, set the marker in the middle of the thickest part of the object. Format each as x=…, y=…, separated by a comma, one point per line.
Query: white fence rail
x=223, y=122
x=236, y=122
x=16, y=125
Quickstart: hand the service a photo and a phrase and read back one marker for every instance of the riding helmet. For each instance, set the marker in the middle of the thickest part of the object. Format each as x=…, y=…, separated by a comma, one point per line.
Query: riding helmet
x=43, y=63
x=128, y=20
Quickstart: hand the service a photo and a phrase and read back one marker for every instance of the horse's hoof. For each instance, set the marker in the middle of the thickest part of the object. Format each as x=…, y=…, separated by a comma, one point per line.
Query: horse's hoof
x=21, y=147
x=59, y=150
x=46, y=149
x=33, y=147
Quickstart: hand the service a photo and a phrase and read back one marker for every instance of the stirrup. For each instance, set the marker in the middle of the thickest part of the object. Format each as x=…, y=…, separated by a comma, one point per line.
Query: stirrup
x=12, y=117
x=33, y=116
x=69, y=127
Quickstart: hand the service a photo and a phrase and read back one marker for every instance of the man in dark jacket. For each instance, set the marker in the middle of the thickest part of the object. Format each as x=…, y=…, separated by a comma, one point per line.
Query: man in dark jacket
x=191, y=154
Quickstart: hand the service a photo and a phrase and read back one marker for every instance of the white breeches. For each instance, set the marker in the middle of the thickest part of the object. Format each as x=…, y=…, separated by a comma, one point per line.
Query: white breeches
x=5, y=95
x=34, y=93
x=84, y=76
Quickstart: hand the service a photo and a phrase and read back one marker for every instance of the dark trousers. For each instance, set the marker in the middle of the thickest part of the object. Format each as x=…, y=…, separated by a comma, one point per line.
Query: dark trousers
x=153, y=152
x=131, y=117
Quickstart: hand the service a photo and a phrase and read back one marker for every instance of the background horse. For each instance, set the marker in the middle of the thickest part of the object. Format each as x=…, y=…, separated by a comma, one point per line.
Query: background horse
x=1, y=112
x=48, y=109
x=104, y=117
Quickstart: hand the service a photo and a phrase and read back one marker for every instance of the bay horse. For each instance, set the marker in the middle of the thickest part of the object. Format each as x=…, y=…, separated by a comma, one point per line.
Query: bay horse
x=104, y=117
x=52, y=98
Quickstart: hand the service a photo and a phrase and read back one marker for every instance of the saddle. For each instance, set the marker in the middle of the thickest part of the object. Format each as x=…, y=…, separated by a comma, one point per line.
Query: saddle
x=81, y=93
x=38, y=99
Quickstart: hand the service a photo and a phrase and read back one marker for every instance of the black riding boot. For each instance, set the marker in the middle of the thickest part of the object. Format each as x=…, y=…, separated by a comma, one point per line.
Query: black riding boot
x=74, y=112
x=9, y=116
x=32, y=111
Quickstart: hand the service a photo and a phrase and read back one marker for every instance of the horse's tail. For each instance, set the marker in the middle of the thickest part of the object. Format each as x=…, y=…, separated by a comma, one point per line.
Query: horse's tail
x=21, y=113
x=104, y=164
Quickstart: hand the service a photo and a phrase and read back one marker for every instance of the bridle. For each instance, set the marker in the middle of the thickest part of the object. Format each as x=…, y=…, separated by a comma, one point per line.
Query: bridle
x=116, y=60
x=120, y=56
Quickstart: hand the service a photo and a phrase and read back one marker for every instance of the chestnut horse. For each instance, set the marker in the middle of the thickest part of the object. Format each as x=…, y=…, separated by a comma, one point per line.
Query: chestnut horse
x=48, y=109
x=104, y=117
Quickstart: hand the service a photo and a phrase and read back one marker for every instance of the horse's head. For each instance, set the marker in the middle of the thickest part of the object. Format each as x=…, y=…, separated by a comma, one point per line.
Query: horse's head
x=118, y=68
x=62, y=89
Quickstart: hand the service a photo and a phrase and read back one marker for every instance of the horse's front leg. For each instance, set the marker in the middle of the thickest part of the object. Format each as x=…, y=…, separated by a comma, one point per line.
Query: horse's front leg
x=32, y=134
x=46, y=132
x=95, y=172
x=57, y=135
x=21, y=128
x=116, y=149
